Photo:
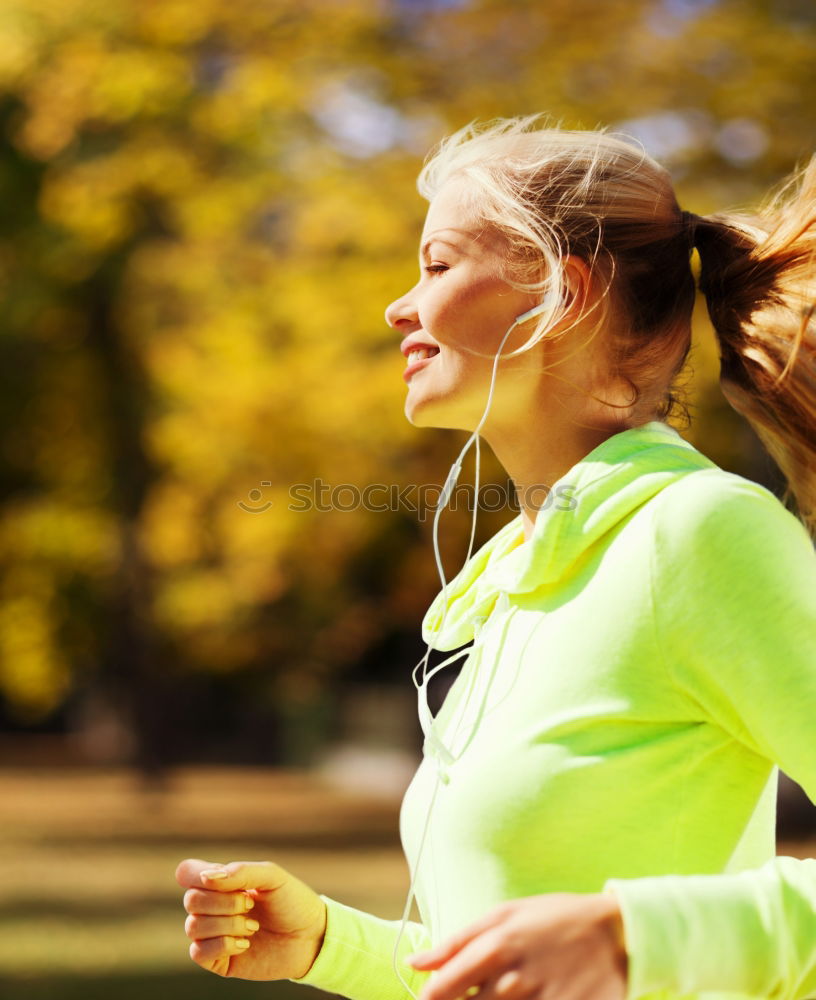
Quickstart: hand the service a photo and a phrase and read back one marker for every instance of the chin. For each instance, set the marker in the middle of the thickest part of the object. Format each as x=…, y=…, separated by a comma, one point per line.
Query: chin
x=425, y=413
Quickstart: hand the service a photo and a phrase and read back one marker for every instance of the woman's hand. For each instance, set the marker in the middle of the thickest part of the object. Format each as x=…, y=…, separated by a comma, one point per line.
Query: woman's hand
x=251, y=919
x=560, y=946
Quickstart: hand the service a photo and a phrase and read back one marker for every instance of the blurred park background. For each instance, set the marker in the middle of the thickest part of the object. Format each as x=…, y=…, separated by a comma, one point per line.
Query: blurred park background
x=205, y=206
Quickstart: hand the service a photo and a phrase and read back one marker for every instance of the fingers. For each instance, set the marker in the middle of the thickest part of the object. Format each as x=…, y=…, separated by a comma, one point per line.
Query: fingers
x=435, y=957
x=263, y=875
x=510, y=985
x=479, y=961
x=201, y=928
x=217, y=903
x=214, y=953
x=188, y=872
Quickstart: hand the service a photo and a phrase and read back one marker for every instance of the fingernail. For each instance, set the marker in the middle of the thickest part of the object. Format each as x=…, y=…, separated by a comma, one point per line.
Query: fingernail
x=249, y=902
x=252, y=925
x=213, y=875
x=241, y=943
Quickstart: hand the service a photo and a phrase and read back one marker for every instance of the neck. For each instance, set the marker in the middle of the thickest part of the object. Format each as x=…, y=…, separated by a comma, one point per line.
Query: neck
x=537, y=459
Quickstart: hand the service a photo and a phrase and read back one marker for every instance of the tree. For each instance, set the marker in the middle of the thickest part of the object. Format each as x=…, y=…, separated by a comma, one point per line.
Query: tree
x=207, y=207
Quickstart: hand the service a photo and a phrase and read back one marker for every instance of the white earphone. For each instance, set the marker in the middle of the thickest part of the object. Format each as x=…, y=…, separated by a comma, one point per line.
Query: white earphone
x=535, y=311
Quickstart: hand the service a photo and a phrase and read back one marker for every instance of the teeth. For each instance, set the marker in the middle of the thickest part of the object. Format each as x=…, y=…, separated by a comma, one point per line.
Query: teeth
x=419, y=354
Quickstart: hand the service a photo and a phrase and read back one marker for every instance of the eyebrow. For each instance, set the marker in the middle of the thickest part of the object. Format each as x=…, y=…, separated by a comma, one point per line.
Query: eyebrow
x=435, y=238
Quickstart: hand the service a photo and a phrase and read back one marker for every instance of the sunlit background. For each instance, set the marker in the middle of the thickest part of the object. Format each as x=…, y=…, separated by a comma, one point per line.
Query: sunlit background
x=205, y=637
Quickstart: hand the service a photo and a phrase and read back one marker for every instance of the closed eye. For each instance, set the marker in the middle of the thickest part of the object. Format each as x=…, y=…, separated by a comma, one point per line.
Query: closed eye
x=436, y=268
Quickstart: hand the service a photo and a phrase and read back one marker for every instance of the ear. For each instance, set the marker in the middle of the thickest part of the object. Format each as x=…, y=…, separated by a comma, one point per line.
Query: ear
x=577, y=282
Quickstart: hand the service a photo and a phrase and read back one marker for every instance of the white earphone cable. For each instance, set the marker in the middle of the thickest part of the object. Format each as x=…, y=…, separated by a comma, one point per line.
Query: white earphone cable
x=432, y=742
x=421, y=684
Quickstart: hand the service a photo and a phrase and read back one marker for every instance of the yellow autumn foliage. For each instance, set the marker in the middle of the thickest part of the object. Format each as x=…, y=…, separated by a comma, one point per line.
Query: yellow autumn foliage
x=207, y=207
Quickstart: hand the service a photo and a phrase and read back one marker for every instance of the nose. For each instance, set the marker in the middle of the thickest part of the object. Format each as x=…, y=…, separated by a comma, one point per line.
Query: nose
x=400, y=312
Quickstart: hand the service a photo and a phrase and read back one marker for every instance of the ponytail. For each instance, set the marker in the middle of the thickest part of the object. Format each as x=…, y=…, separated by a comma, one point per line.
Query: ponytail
x=758, y=275
x=553, y=192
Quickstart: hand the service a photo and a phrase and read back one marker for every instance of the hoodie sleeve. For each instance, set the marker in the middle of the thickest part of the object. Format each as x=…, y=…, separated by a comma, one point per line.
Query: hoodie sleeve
x=734, y=606
x=356, y=958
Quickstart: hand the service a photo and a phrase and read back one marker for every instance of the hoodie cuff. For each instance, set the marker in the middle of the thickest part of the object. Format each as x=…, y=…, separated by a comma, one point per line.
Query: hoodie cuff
x=356, y=958
x=712, y=933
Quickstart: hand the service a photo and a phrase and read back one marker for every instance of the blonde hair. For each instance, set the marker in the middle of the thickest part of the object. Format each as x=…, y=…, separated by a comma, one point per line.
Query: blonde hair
x=554, y=192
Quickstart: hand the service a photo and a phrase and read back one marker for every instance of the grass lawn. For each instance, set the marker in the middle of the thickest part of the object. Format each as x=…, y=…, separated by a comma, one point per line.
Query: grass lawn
x=89, y=907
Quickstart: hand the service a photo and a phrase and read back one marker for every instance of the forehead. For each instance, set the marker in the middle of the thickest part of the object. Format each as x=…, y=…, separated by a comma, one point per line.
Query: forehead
x=453, y=217
x=451, y=208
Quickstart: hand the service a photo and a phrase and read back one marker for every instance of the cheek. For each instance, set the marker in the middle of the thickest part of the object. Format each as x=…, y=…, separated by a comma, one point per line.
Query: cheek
x=440, y=311
x=471, y=316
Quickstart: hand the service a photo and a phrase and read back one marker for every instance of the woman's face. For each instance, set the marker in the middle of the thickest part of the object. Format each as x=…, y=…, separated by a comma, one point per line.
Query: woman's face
x=453, y=320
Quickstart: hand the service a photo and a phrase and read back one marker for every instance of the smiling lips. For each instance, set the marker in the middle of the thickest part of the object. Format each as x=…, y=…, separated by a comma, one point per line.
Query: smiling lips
x=418, y=357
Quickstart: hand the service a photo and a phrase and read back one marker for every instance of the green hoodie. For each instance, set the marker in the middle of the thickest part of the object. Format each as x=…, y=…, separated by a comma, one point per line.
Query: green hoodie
x=639, y=668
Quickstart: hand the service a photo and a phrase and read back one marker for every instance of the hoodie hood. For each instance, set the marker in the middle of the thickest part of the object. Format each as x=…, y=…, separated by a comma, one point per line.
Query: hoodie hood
x=586, y=503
